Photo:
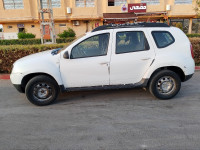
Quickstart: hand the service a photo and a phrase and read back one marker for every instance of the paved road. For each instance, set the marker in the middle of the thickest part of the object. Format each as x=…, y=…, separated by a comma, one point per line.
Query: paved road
x=102, y=120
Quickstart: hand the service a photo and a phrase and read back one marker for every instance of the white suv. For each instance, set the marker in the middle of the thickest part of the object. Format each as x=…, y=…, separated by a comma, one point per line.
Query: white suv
x=149, y=55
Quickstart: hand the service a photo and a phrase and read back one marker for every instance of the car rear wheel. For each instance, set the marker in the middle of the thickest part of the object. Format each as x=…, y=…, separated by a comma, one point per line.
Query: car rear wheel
x=165, y=84
x=42, y=90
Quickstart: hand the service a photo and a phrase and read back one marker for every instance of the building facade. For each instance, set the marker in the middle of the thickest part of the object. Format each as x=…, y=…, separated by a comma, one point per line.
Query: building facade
x=84, y=15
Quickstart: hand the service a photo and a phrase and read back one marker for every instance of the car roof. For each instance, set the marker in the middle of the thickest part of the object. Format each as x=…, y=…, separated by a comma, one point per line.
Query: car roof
x=130, y=25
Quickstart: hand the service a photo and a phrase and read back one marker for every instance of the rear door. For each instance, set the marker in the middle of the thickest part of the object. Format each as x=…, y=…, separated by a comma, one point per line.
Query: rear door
x=132, y=55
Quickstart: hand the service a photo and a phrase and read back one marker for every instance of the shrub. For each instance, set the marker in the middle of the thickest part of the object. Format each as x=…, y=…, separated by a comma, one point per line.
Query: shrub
x=9, y=54
x=196, y=49
x=23, y=35
x=67, y=33
x=179, y=25
x=65, y=40
x=32, y=41
x=193, y=35
x=71, y=32
x=20, y=42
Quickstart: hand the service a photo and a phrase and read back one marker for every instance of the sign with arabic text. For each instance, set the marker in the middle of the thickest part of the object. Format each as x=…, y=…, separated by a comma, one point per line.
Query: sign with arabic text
x=137, y=7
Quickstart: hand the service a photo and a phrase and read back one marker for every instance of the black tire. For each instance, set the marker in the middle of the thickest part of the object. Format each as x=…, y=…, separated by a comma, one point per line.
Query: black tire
x=42, y=90
x=165, y=84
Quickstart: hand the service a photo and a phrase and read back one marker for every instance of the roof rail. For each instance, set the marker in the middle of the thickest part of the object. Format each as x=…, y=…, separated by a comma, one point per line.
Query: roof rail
x=130, y=25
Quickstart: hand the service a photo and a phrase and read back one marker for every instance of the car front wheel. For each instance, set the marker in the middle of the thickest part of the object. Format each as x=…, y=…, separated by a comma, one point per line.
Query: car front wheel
x=165, y=84
x=42, y=90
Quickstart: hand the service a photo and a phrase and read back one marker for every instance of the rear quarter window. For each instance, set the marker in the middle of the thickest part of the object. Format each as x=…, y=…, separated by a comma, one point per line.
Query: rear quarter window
x=163, y=38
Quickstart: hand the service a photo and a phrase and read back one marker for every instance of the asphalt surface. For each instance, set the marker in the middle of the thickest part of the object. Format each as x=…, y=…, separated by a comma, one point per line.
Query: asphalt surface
x=102, y=120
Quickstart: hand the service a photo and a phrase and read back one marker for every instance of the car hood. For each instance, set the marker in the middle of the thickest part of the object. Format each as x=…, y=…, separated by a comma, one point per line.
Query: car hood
x=35, y=60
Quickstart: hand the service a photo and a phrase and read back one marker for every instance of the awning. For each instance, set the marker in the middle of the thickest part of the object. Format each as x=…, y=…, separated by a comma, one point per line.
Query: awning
x=151, y=13
x=114, y=17
x=119, y=16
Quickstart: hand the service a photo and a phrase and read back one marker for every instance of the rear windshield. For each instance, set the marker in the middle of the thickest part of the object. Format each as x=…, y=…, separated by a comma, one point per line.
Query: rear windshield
x=163, y=38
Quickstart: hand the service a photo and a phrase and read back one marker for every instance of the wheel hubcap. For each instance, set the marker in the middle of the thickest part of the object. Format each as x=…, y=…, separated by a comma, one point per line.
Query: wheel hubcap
x=42, y=91
x=165, y=85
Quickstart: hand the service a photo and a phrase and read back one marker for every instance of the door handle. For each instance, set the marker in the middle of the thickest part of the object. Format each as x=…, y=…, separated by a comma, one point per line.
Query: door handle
x=146, y=58
x=104, y=63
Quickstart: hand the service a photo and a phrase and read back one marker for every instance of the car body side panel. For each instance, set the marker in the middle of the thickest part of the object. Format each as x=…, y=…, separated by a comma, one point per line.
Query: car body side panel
x=87, y=71
x=187, y=67
x=177, y=54
x=129, y=68
x=43, y=62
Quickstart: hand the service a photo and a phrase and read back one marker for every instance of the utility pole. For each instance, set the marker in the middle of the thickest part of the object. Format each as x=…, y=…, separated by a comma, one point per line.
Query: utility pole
x=47, y=28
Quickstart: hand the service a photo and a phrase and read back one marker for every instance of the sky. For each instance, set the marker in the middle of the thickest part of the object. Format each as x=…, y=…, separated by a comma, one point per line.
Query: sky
x=1, y=26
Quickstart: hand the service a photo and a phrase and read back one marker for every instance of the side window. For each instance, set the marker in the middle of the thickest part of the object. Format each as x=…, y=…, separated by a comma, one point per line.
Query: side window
x=94, y=46
x=133, y=41
x=163, y=38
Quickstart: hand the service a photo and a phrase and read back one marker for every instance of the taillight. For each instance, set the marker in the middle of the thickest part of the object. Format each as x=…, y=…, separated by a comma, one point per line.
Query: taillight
x=191, y=48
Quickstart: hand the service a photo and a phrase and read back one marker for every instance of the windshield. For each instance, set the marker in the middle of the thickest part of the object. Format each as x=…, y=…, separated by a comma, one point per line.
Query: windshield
x=71, y=43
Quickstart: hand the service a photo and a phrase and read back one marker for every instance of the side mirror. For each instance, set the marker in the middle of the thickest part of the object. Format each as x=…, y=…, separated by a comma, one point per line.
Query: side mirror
x=66, y=55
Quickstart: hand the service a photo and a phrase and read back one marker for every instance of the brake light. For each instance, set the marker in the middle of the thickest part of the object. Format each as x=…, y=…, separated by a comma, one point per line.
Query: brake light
x=191, y=48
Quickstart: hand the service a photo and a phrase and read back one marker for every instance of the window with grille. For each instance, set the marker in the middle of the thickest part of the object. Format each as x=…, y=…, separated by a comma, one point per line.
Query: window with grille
x=55, y=3
x=151, y=2
x=183, y=1
x=85, y=3
x=80, y=3
x=116, y=2
x=13, y=4
x=119, y=2
x=89, y=3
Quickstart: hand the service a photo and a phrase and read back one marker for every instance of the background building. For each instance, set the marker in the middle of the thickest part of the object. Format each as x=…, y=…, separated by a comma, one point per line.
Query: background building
x=84, y=15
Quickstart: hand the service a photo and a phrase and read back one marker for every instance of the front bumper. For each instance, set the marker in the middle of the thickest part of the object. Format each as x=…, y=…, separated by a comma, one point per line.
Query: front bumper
x=16, y=79
x=19, y=88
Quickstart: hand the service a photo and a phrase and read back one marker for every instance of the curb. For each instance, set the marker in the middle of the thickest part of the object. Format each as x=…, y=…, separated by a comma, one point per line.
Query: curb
x=197, y=68
x=7, y=76
x=4, y=77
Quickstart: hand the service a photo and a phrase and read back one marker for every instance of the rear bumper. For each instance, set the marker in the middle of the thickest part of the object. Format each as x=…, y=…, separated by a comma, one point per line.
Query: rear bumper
x=19, y=88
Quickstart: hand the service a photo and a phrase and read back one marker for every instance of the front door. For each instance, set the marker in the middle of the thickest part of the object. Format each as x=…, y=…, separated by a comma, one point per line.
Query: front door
x=89, y=62
x=131, y=57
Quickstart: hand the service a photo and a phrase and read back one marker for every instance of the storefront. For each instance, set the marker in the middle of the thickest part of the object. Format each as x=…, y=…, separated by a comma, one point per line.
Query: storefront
x=119, y=18
x=134, y=13
x=137, y=12
x=184, y=24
